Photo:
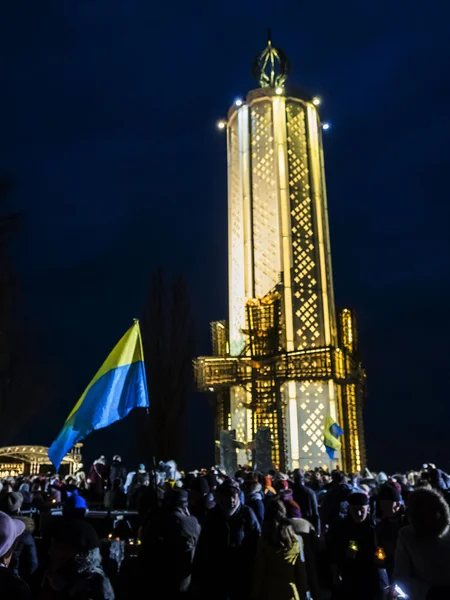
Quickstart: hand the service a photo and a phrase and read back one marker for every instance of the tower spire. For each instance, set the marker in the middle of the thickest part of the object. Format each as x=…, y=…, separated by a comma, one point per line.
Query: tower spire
x=271, y=68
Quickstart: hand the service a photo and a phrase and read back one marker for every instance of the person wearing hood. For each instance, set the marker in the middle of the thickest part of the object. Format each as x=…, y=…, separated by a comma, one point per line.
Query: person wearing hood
x=227, y=543
x=80, y=478
x=24, y=560
x=11, y=586
x=24, y=489
x=201, y=500
x=279, y=568
x=98, y=479
x=75, y=566
x=422, y=558
x=117, y=471
x=306, y=531
x=254, y=498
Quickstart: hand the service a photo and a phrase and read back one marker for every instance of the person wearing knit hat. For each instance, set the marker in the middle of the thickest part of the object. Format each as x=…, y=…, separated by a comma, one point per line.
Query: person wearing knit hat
x=10, y=585
x=75, y=569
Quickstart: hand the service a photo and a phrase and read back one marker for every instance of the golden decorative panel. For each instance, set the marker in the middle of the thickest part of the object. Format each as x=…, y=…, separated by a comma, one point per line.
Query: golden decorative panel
x=266, y=232
x=236, y=244
x=307, y=322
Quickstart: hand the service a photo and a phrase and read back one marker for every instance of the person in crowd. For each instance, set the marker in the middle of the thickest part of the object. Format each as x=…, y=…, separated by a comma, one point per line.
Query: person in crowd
x=438, y=479
x=80, y=478
x=269, y=490
x=355, y=568
x=117, y=471
x=422, y=559
x=75, y=569
x=98, y=479
x=11, y=586
x=24, y=559
x=201, y=500
x=307, y=501
x=169, y=544
x=279, y=567
x=227, y=543
x=75, y=506
x=37, y=495
x=316, y=484
x=115, y=498
x=306, y=531
x=24, y=489
x=254, y=497
x=334, y=504
x=68, y=487
x=391, y=520
x=142, y=497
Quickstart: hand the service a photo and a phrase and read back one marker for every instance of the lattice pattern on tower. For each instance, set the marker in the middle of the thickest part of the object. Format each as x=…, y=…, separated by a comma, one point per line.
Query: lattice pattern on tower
x=236, y=247
x=313, y=398
x=306, y=270
x=265, y=200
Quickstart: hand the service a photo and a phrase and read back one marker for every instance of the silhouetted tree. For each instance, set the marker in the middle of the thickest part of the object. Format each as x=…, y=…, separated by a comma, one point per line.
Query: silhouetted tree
x=8, y=295
x=24, y=388
x=167, y=332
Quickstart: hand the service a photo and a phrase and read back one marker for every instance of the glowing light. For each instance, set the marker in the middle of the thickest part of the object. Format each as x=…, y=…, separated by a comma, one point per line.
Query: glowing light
x=400, y=593
x=353, y=546
x=316, y=101
x=380, y=554
x=279, y=91
x=110, y=536
x=325, y=126
x=221, y=124
x=211, y=389
x=238, y=102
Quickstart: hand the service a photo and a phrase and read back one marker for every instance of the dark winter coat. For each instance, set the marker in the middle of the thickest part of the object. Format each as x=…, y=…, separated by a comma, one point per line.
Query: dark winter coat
x=115, y=500
x=11, y=587
x=83, y=581
x=117, y=471
x=359, y=569
x=307, y=500
x=254, y=500
x=168, y=548
x=98, y=476
x=24, y=560
x=226, y=551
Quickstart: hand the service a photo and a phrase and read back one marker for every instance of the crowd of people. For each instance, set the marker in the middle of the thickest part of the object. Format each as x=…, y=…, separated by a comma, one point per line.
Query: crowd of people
x=258, y=536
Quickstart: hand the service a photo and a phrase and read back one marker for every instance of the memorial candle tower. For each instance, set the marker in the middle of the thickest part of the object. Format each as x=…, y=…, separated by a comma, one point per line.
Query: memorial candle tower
x=284, y=360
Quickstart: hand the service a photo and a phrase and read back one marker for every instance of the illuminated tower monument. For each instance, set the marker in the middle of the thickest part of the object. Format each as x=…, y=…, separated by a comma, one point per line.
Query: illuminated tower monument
x=283, y=361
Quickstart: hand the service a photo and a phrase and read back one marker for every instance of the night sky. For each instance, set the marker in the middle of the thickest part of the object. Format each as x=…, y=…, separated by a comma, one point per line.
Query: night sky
x=108, y=113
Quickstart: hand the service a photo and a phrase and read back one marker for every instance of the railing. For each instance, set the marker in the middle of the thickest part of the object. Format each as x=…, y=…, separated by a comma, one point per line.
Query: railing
x=213, y=373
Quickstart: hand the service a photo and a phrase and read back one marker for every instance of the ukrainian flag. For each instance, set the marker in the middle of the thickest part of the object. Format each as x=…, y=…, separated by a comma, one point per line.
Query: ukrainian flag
x=332, y=433
x=119, y=386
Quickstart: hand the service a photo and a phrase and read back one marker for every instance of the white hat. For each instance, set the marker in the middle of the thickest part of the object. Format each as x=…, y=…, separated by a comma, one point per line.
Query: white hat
x=10, y=529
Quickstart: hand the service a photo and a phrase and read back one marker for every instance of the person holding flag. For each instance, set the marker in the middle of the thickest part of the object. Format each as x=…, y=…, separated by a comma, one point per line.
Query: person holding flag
x=119, y=386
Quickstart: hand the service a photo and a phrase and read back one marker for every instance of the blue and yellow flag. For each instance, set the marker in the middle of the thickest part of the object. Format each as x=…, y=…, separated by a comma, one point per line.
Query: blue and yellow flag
x=332, y=433
x=119, y=386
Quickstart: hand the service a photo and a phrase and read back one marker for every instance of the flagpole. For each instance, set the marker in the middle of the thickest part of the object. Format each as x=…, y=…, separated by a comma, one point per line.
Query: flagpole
x=148, y=419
